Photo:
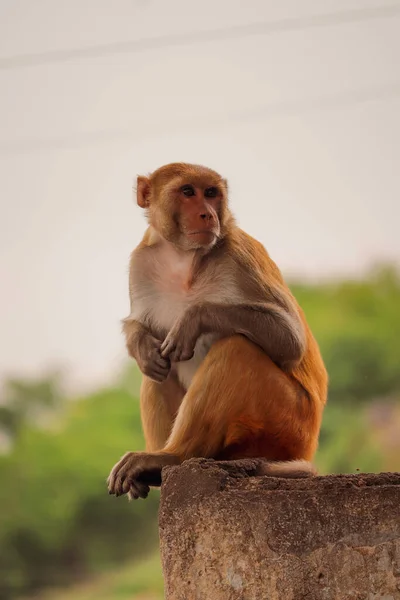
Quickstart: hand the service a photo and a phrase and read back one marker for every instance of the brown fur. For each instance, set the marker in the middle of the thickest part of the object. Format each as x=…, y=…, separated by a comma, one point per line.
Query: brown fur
x=259, y=388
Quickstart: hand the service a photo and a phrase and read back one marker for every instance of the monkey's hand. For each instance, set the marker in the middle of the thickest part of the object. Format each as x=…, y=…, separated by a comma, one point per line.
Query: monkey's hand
x=181, y=340
x=149, y=359
x=137, y=471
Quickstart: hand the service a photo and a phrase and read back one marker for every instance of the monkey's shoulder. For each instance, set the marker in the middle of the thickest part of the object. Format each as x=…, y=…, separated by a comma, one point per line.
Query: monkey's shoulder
x=251, y=257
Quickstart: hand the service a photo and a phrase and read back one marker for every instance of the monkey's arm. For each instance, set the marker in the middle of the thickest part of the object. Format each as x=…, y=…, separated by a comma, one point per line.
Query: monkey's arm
x=277, y=330
x=145, y=349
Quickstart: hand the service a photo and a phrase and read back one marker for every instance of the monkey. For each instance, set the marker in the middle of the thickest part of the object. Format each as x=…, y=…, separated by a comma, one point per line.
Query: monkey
x=231, y=369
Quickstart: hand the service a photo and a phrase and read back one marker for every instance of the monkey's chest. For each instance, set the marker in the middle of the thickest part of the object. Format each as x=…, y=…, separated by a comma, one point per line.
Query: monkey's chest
x=163, y=303
x=168, y=303
x=166, y=308
x=163, y=294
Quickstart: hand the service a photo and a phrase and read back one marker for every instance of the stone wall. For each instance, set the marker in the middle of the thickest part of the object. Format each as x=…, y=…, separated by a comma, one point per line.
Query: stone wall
x=227, y=535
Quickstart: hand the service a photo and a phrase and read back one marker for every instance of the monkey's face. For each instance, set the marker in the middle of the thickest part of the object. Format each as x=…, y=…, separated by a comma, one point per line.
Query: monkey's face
x=194, y=207
x=186, y=204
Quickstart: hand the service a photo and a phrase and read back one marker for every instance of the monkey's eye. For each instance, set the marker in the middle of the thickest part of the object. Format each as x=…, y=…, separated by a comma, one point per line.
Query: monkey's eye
x=211, y=192
x=187, y=190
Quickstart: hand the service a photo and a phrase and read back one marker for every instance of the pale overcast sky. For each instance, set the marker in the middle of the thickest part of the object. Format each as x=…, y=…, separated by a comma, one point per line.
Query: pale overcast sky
x=302, y=118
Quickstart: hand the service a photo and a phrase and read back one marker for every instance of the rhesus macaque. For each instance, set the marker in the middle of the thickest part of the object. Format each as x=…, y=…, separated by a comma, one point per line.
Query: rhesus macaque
x=230, y=367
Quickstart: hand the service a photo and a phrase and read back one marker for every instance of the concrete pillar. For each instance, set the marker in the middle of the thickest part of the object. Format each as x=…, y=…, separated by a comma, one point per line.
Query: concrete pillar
x=226, y=535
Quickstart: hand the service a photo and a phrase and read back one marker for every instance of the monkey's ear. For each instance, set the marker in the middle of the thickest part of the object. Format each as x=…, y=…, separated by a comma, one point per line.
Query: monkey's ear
x=225, y=184
x=143, y=191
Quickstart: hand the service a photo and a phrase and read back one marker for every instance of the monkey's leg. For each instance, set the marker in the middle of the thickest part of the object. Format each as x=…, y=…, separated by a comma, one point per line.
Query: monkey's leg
x=159, y=404
x=239, y=405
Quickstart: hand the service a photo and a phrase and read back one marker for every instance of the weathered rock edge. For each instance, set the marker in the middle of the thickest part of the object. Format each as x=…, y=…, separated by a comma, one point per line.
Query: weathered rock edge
x=227, y=535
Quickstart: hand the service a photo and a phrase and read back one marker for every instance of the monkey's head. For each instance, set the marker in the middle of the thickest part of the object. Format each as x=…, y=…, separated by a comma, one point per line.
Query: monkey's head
x=186, y=204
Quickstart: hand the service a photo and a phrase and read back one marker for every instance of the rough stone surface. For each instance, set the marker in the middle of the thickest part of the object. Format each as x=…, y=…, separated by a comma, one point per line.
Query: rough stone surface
x=227, y=535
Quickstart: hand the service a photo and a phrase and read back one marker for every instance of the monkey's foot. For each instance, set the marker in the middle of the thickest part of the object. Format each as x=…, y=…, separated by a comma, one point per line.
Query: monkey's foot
x=137, y=471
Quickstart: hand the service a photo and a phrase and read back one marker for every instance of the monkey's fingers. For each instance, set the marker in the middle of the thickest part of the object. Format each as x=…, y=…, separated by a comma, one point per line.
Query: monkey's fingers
x=133, y=487
x=158, y=374
x=161, y=369
x=121, y=485
x=112, y=478
x=138, y=489
x=161, y=362
x=181, y=353
x=168, y=346
x=124, y=477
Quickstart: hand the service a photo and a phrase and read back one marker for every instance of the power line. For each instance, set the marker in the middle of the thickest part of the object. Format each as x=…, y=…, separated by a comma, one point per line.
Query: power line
x=280, y=109
x=188, y=39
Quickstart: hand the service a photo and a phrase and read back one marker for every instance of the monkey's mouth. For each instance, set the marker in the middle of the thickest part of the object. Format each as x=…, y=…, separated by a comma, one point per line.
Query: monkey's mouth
x=203, y=232
x=203, y=237
x=210, y=232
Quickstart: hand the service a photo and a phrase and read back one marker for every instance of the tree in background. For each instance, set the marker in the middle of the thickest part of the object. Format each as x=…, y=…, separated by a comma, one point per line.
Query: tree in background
x=28, y=401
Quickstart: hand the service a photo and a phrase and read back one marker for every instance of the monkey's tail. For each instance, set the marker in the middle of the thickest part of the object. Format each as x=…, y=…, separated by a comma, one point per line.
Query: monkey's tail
x=292, y=469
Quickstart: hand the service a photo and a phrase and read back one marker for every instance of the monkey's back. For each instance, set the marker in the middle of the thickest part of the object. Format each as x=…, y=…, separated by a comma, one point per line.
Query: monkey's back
x=311, y=372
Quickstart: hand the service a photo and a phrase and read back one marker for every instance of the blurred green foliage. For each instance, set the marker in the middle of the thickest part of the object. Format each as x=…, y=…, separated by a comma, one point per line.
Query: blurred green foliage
x=57, y=522
x=357, y=324
x=134, y=579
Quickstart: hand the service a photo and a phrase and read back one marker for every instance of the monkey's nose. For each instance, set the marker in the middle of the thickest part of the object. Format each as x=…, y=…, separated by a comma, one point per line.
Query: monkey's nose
x=205, y=216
